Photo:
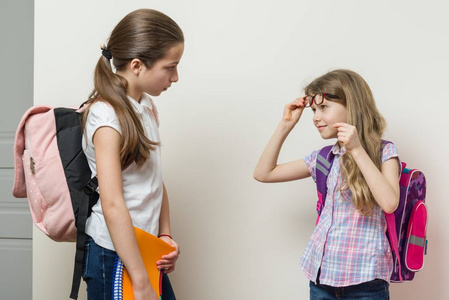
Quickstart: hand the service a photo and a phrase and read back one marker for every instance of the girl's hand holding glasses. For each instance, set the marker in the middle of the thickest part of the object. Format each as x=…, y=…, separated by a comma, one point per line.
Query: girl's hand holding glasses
x=293, y=110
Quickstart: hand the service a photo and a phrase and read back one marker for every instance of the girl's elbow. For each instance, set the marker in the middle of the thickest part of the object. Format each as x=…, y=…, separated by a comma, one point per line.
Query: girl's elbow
x=112, y=206
x=259, y=176
x=391, y=207
x=389, y=210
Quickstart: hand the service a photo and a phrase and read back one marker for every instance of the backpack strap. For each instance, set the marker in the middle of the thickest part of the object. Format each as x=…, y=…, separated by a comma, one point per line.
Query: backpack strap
x=324, y=160
x=393, y=238
x=82, y=188
x=80, y=241
x=391, y=230
x=88, y=197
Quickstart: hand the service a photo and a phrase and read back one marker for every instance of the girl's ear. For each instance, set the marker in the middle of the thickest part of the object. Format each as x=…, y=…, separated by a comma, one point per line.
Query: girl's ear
x=136, y=66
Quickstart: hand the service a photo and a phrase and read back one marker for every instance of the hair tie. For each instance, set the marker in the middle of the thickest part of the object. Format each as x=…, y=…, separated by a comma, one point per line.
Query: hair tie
x=167, y=235
x=105, y=51
x=107, y=54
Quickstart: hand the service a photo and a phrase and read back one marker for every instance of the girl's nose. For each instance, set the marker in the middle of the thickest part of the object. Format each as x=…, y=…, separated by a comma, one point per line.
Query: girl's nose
x=175, y=76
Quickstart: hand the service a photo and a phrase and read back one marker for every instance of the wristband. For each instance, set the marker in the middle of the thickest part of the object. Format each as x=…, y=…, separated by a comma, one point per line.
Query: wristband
x=164, y=235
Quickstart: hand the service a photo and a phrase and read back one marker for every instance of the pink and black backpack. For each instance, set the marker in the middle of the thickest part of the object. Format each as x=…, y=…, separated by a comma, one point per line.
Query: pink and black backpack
x=406, y=227
x=52, y=171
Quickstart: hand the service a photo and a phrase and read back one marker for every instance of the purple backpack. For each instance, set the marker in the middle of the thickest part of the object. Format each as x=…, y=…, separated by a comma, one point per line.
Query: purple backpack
x=406, y=227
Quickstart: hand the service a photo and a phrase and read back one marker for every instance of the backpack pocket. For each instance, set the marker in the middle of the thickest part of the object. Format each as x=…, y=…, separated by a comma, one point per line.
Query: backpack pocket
x=38, y=206
x=59, y=221
x=415, y=243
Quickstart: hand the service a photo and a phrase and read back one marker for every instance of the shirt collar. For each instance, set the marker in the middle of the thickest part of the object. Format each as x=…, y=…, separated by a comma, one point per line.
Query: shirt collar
x=337, y=150
x=144, y=101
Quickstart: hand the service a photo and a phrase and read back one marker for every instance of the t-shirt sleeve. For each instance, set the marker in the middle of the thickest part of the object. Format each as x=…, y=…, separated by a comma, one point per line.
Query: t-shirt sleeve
x=100, y=115
x=311, y=163
x=390, y=151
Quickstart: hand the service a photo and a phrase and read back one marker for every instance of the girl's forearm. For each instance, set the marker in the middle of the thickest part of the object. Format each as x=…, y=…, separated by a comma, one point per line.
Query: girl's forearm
x=164, y=218
x=384, y=185
x=269, y=158
x=123, y=237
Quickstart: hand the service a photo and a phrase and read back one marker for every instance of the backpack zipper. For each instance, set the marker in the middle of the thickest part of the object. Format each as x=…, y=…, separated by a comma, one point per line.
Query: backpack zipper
x=28, y=144
x=33, y=171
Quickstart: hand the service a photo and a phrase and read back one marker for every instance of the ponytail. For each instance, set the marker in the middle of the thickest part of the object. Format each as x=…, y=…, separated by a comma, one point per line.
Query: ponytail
x=111, y=88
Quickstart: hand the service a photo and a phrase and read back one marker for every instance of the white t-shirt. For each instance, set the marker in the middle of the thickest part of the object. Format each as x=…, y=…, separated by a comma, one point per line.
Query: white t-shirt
x=142, y=188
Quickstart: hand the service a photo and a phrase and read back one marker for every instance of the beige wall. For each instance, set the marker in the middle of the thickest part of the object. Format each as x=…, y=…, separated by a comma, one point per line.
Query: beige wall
x=243, y=61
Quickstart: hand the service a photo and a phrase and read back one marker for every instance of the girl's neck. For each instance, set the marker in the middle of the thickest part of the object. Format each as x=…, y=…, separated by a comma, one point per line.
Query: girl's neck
x=136, y=96
x=131, y=90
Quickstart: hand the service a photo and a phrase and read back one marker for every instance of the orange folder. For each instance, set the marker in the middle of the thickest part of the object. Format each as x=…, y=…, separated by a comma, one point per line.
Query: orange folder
x=152, y=249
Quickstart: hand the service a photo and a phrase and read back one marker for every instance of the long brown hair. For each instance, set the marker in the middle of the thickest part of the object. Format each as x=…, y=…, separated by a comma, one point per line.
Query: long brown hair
x=353, y=92
x=144, y=34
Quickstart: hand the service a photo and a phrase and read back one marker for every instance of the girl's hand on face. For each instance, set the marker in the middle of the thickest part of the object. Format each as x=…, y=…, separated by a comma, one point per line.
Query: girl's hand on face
x=347, y=136
x=167, y=262
x=293, y=111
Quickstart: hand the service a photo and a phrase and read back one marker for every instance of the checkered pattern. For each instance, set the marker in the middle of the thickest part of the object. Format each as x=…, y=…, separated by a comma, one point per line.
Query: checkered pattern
x=348, y=247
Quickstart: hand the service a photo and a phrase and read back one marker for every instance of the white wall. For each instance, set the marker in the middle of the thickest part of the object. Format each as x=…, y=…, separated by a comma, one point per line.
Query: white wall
x=243, y=61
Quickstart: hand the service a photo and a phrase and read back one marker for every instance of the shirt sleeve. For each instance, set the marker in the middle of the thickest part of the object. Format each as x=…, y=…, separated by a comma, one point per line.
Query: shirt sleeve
x=311, y=163
x=100, y=115
x=390, y=151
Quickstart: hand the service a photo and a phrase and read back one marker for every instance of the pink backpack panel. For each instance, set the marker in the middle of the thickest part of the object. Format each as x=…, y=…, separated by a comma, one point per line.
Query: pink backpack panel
x=39, y=175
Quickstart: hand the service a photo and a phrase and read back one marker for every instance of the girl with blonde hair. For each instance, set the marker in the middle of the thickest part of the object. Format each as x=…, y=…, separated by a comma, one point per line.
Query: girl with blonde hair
x=348, y=255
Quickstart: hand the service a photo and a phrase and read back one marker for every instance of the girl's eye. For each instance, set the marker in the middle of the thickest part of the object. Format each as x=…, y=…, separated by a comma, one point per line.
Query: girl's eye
x=323, y=106
x=313, y=110
x=171, y=68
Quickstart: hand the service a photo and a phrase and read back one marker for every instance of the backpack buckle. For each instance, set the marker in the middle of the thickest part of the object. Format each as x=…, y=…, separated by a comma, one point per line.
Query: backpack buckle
x=91, y=186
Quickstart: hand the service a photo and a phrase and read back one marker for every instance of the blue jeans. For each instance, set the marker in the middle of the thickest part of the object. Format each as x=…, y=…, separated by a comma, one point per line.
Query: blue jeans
x=372, y=290
x=98, y=269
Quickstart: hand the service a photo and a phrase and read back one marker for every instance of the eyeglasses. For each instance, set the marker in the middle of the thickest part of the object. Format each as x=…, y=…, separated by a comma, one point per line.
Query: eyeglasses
x=318, y=99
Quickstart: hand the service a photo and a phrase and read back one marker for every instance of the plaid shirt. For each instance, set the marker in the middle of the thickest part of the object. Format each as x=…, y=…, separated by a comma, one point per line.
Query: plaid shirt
x=350, y=248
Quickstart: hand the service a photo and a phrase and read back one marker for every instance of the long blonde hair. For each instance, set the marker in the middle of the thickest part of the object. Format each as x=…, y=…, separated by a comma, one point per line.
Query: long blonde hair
x=353, y=92
x=144, y=34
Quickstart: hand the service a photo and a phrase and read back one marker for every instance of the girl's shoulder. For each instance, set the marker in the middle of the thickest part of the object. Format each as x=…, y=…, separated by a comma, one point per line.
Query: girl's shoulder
x=99, y=106
x=100, y=114
x=310, y=160
x=389, y=150
x=101, y=110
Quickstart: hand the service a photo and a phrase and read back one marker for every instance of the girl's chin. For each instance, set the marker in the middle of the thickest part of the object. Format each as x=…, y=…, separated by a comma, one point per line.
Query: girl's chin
x=153, y=94
x=327, y=136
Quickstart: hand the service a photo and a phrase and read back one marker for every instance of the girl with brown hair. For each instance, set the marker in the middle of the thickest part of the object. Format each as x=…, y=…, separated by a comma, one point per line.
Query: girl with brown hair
x=348, y=255
x=122, y=146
